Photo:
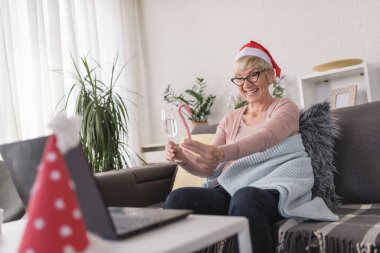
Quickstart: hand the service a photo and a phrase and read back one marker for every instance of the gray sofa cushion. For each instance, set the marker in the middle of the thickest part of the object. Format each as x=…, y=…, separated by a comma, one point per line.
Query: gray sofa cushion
x=357, y=154
x=318, y=128
x=9, y=198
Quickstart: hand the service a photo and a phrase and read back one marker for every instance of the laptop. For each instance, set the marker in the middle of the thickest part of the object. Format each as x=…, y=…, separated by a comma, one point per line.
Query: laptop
x=22, y=159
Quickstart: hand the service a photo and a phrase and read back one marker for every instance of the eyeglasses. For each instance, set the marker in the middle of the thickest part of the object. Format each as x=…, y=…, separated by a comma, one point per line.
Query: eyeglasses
x=252, y=78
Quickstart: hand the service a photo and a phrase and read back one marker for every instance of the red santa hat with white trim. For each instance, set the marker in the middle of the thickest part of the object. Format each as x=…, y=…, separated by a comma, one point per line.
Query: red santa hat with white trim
x=255, y=49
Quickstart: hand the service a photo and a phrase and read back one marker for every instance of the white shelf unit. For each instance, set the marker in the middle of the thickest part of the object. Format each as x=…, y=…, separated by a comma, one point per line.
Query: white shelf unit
x=317, y=87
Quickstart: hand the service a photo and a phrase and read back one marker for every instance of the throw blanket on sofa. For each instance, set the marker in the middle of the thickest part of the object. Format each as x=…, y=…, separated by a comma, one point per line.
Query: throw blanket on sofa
x=358, y=230
x=286, y=168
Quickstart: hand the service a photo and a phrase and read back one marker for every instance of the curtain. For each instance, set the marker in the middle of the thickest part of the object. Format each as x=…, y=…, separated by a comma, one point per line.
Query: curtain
x=39, y=37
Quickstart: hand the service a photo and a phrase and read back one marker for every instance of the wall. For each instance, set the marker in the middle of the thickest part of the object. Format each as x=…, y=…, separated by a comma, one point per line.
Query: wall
x=184, y=39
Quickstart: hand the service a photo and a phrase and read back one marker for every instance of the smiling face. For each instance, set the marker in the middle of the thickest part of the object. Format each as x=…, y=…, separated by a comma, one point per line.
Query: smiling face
x=258, y=91
x=254, y=92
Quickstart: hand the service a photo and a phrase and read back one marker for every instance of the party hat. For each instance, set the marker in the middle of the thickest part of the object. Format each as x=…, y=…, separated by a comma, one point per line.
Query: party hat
x=55, y=221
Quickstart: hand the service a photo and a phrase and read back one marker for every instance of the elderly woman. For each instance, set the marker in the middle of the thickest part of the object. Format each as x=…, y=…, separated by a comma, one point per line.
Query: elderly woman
x=255, y=154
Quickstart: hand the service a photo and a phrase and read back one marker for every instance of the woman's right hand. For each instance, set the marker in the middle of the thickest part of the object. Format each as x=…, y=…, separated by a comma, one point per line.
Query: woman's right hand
x=173, y=152
x=188, y=160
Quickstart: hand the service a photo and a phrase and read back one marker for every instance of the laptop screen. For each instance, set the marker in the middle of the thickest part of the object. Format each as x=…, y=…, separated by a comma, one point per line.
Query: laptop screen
x=22, y=160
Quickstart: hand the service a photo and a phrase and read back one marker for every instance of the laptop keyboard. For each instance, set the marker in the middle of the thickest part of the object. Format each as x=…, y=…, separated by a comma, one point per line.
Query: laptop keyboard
x=131, y=220
x=125, y=221
x=125, y=224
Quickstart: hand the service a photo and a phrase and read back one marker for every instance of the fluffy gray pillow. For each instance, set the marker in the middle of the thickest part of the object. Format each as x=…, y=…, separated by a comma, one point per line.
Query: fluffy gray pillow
x=319, y=129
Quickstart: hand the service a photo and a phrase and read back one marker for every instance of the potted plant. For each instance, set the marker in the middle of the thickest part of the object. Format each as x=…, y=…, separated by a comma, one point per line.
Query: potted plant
x=104, y=127
x=199, y=102
x=278, y=91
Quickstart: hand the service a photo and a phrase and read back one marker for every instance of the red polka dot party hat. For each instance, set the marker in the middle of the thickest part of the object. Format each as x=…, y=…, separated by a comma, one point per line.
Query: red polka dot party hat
x=55, y=221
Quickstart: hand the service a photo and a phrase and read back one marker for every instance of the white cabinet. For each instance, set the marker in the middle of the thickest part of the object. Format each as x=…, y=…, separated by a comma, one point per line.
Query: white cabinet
x=317, y=87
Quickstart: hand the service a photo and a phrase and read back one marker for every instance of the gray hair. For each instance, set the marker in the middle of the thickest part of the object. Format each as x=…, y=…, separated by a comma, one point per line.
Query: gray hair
x=249, y=61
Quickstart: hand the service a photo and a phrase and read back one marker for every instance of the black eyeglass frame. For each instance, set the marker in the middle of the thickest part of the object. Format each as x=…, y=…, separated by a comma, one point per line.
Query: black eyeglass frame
x=257, y=74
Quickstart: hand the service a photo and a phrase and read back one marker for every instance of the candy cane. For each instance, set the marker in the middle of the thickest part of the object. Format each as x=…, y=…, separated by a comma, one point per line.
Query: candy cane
x=180, y=112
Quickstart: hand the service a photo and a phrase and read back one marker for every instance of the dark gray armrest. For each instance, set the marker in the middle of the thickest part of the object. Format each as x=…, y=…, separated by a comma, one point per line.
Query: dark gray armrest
x=139, y=186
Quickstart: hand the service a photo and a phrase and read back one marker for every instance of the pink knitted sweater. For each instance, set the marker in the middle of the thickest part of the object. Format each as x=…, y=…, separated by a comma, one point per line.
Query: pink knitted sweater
x=281, y=121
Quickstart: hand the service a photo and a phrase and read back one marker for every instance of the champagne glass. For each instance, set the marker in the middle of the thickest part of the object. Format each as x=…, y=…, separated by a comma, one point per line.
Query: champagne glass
x=169, y=123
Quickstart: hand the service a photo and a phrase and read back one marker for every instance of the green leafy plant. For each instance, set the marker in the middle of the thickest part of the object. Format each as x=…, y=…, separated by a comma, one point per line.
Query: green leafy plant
x=240, y=103
x=199, y=102
x=235, y=101
x=278, y=91
x=104, y=127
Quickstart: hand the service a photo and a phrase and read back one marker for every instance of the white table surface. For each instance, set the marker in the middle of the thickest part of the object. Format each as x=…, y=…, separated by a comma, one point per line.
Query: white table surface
x=188, y=235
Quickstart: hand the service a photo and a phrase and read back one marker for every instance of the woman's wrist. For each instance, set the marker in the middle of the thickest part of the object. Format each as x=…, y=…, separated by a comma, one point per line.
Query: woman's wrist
x=221, y=155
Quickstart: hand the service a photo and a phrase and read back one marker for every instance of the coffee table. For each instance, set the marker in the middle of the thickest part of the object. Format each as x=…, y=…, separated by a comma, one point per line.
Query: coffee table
x=188, y=235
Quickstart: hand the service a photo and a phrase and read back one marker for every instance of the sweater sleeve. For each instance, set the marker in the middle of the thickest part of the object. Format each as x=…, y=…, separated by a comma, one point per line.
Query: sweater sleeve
x=221, y=134
x=282, y=122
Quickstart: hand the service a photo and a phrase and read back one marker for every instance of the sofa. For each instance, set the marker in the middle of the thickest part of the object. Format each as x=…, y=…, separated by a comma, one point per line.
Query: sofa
x=146, y=185
x=142, y=186
x=356, y=156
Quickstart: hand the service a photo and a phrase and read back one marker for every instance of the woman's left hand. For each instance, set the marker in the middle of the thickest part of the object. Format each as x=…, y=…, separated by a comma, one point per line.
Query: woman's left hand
x=206, y=154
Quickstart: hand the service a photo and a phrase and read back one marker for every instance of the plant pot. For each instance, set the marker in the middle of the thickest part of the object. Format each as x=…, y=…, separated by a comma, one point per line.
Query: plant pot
x=198, y=123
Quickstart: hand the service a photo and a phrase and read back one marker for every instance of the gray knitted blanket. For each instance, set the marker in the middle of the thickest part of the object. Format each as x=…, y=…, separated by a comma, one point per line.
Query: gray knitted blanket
x=285, y=167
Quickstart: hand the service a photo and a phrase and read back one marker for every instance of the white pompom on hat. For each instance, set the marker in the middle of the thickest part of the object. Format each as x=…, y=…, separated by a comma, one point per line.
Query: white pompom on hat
x=255, y=49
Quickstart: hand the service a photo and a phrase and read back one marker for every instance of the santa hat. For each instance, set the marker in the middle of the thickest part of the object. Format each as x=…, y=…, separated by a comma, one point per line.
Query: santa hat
x=255, y=49
x=55, y=222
